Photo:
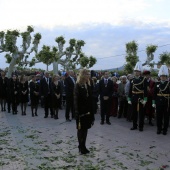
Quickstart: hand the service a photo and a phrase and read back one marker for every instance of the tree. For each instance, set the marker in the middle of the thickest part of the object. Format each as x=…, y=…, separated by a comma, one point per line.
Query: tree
x=164, y=58
x=47, y=55
x=14, y=54
x=150, y=49
x=72, y=55
x=131, y=56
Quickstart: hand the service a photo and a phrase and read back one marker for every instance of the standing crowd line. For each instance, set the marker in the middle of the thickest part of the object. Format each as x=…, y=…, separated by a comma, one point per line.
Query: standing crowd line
x=135, y=97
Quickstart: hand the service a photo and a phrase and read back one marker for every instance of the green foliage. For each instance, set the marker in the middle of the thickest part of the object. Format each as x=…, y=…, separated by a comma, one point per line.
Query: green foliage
x=131, y=57
x=30, y=29
x=131, y=47
x=92, y=61
x=151, y=49
x=24, y=35
x=72, y=42
x=80, y=43
x=46, y=55
x=8, y=58
x=60, y=39
x=87, y=61
x=10, y=40
x=128, y=68
x=37, y=38
x=164, y=58
x=84, y=61
x=2, y=33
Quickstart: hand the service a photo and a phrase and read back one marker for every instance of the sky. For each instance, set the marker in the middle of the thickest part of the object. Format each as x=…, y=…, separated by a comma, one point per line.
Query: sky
x=105, y=25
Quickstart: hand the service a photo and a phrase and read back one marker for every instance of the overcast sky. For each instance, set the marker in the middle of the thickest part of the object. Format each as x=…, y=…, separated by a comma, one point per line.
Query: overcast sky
x=105, y=25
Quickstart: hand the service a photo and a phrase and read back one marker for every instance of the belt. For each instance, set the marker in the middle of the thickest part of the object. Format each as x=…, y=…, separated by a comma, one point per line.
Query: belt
x=164, y=95
x=88, y=113
x=137, y=92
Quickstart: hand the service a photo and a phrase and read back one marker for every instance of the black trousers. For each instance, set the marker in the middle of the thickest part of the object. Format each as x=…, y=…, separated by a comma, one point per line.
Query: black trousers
x=123, y=108
x=82, y=136
x=138, y=116
x=162, y=113
x=69, y=107
x=48, y=105
x=105, y=108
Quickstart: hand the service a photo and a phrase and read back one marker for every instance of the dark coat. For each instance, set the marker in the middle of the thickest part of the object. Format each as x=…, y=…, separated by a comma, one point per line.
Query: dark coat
x=45, y=87
x=137, y=85
x=3, y=87
x=162, y=88
x=69, y=87
x=14, y=91
x=83, y=105
x=23, y=87
x=56, y=89
x=105, y=89
x=34, y=87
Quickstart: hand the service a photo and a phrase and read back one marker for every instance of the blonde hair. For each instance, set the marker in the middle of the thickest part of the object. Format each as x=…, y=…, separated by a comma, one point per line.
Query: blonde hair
x=81, y=79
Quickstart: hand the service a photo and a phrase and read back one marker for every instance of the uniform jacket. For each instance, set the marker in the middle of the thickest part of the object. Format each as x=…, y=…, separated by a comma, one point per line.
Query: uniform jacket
x=137, y=85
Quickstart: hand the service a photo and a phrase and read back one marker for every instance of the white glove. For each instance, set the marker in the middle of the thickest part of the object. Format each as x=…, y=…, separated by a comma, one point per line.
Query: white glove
x=144, y=102
x=154, y=105
x=129, y=102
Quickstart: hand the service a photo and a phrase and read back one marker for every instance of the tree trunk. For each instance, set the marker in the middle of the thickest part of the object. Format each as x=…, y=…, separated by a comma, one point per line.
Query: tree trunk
x=11, y=67
x=55, y=67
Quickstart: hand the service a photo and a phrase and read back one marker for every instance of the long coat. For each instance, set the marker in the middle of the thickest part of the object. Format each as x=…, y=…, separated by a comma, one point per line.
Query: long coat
x=3, y=87
x=83, y=106
x=34, y=87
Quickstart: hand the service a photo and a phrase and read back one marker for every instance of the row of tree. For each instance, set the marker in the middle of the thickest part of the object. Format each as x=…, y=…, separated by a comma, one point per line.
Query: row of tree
x=132, y=58
x=69, y=58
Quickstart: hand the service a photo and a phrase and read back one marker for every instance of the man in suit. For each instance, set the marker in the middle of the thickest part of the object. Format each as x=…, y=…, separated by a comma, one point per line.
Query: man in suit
x=123, y=104
x=69, y=88
x=45, y=92
x=105, y=91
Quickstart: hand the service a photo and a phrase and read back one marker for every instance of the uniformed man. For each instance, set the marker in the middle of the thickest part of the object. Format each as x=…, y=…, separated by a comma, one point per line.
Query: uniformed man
x=138, y=97
x=162, y=100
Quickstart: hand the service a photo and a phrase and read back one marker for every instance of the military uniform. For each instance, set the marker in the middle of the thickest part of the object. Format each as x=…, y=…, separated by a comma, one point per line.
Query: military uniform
x=162, y=101
x=138, y=97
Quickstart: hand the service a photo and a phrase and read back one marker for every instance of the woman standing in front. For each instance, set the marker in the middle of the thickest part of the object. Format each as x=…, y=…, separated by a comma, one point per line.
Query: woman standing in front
x=24, y=91
x=34, y=95
x=83, y=108
x=56, y=95
x=14, y=91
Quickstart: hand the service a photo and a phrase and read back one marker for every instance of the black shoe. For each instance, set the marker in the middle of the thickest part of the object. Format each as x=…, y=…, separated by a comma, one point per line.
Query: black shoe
x=68, y=120
x=8, y=111
x=32, y=115
x=150, y=123
x=102, y=122
x=119, y=117
x=108, y=123
x=52, y=116
x=36, y=114
x=164, y=133
x=133, y=128
x=45, y=116
x=83, y=151
x=140, y=129
x=158, y=132
x=86, y=150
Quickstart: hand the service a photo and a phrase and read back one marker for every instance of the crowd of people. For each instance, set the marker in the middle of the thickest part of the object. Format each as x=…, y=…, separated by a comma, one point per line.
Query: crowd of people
x=134, y=96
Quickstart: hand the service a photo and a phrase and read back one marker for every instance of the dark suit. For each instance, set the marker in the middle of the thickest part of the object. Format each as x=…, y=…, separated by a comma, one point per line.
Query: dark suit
x=45, y=92
x=69, y=87
x=138, y=92
x=105, y=89
x=162, y=101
